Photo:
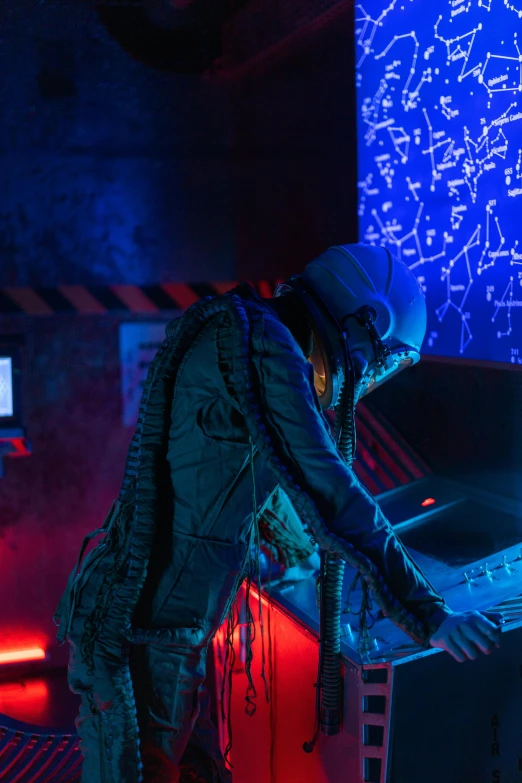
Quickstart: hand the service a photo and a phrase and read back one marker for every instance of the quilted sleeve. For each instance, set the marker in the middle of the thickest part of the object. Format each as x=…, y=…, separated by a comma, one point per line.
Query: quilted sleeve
x=350, y=520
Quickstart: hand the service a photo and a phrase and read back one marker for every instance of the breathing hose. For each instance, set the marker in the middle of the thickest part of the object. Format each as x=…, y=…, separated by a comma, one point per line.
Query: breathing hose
x=329, y=684
x=331, y=595
x=331, y=589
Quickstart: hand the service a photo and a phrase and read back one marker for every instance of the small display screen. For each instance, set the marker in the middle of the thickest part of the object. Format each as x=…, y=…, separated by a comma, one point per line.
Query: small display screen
x=464, y=533
x=6, y=387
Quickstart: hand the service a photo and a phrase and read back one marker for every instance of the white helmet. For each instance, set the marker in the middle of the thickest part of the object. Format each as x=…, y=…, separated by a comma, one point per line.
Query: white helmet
x=366, y=309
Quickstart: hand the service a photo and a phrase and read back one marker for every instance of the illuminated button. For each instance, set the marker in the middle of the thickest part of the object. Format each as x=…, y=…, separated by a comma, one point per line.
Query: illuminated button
x=505, y=564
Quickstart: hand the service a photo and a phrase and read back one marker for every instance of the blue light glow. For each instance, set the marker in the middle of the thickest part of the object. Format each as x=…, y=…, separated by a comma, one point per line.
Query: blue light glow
x=6, y=387
x=439, y=111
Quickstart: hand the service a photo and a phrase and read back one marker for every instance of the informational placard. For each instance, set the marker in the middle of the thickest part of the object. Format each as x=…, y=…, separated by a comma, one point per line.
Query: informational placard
x=439, y=106
x=139, y=343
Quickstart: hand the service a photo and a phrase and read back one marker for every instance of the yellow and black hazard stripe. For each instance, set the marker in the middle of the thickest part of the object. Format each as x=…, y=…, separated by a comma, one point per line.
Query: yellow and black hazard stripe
x=97, y=300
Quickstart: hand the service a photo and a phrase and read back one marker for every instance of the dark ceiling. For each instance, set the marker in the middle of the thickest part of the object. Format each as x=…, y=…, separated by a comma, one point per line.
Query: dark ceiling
x=194, y=36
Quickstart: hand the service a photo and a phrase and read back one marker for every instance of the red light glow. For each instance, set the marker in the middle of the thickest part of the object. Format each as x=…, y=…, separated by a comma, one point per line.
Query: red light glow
x=17, y=656
x=26, y=700
x=291, y=668
x=428, y=502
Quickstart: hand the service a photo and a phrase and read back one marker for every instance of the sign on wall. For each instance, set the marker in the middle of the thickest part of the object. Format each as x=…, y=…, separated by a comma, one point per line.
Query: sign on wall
x=139, y=343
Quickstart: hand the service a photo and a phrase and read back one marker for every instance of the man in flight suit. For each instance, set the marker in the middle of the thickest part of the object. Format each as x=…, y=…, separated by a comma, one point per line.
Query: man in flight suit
x=231, y=428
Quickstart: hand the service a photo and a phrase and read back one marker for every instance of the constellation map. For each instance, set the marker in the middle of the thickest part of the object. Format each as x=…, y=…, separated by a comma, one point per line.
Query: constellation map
x=439, y=102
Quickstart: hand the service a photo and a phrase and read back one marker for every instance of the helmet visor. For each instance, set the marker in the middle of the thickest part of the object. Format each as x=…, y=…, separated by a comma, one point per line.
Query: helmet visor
x=327, y=372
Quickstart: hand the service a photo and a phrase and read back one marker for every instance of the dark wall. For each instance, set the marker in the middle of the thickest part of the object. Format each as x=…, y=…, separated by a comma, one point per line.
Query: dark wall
x=464, y=420
x=112, y=172
x=294, y=157
x=50, y=500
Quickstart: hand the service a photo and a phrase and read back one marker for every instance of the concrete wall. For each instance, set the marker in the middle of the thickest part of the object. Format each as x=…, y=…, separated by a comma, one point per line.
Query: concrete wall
x=112, y=172
x=50, y=500
x=294, y=156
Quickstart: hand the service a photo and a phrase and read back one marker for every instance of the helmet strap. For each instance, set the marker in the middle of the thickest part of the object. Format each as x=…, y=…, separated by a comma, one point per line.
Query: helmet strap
x=366, y=316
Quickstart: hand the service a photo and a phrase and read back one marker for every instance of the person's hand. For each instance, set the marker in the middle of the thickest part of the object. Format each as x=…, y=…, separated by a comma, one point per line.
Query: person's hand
x=465, y=635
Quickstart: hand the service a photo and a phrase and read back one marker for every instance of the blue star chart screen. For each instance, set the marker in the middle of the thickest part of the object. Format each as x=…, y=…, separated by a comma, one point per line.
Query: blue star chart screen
x=439, y=113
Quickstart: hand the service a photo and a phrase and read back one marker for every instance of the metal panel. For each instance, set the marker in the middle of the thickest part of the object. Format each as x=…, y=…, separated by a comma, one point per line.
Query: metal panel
x=459, y=723
x=417, y=715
